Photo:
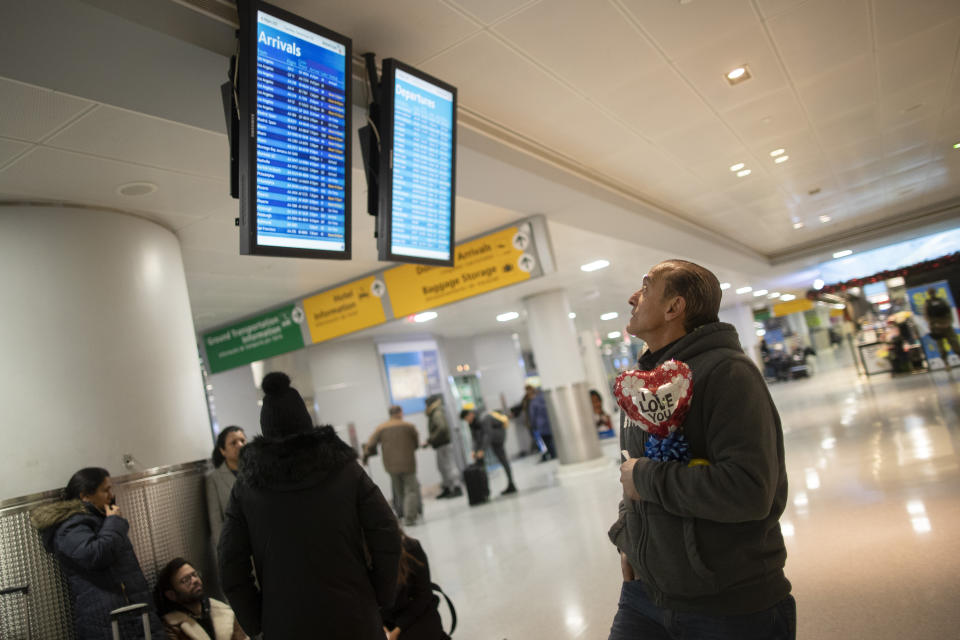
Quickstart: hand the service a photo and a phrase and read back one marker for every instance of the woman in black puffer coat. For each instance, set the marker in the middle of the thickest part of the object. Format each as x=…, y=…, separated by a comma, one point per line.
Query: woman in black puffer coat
x=89, y=538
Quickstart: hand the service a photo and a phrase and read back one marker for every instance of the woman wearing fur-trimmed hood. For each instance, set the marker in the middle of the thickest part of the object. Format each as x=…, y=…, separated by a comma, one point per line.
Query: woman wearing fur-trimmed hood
x=324, y=541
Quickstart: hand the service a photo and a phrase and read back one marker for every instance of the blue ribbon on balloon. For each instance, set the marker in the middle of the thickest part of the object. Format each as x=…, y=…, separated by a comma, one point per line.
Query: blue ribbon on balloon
x=673, y=447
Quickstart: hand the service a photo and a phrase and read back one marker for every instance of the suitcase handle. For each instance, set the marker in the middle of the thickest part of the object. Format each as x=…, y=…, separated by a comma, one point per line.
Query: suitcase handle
x=142, y=608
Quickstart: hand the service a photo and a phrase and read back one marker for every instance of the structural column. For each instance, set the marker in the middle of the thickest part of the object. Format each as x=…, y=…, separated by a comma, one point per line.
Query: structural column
x=100, y=360
x=562, y=376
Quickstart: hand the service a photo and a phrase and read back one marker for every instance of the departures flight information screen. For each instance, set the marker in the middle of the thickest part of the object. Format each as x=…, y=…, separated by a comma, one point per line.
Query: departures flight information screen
x=301, y=137
x=422, y=216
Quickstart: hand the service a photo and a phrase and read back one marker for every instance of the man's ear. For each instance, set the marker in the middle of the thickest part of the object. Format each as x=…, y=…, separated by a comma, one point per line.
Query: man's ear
x=677, y=308
x=170, y=595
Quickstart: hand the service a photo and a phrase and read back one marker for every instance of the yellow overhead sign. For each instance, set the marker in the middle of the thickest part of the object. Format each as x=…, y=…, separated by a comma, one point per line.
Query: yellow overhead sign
x=786, y=308
x=481, y=265
x=345, y=309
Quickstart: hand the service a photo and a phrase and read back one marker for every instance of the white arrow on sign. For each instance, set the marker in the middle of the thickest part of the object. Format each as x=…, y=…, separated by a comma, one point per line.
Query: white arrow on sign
x=297, y=315
x=521, y=241
x=527, y=262
x=378, y=288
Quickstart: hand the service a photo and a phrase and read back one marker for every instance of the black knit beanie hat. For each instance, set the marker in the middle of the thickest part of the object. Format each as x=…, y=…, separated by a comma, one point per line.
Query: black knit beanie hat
x=283, y=412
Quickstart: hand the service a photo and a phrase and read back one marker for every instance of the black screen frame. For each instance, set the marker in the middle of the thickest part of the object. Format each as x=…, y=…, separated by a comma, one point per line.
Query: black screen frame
x=388, y=77
x=247, y=106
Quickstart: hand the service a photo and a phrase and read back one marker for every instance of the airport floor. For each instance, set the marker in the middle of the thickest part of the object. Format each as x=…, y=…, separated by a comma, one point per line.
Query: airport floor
x=872, y=525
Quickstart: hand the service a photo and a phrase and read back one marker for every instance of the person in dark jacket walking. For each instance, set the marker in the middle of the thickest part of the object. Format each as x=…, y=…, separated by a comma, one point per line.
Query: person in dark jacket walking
x=439, y=439
x=89, y=539
x=940, y=319
x=488, y=431
x=703, y=486
x=414, y=614
x=324, y=542
x=540, y=421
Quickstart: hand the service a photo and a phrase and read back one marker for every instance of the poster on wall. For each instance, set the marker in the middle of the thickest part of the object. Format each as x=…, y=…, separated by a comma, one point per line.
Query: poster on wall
x=918, y=297
x=411, y=377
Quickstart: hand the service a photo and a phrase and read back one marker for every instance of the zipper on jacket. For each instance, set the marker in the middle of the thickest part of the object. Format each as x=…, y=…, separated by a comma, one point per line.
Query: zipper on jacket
x=656, y=593
x=123, y=590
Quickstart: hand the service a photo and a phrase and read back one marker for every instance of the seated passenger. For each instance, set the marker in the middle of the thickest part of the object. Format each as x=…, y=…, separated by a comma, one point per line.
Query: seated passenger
x=413, y=615
x=89, y=539
x=187, y=612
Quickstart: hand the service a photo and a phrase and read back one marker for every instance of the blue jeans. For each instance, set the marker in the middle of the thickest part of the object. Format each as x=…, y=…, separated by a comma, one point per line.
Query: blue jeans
x=639, y=618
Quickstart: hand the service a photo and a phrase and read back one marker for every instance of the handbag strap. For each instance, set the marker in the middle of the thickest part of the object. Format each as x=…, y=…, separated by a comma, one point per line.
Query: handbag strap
x=453, y=612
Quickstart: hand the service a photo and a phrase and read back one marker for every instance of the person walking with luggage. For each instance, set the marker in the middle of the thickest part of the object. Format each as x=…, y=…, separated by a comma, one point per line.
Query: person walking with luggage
x=488, y=431
x=400, y=441
x=324, y=542
x=89, y=538
x=939, y=317
x=439, y=439
x=414, y=614
x=704, y=482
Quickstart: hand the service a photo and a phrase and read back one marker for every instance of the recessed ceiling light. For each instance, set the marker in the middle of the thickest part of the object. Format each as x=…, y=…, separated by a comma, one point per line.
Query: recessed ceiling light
x=775, y=294
x=761, y=333
x=738, y=75
x=743, y=173
x=824, y=219
x=787, y=297
x=571, y=315
x=136, y=188
x=426, y=316
x=596, y=265
x=777, y=152
x=843, y=254
x=737, y=167
x=782, y=159
x=798, y=225
x=613, y=335
x=743, y=290
x=818, y=284
x=508, y=316
x=956, y=145
x=612, y=315
x=724, y=286
x=759, y=292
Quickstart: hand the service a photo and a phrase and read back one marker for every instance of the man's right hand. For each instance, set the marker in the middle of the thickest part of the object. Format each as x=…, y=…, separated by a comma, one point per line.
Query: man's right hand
x=626, y=567
x=112, y=510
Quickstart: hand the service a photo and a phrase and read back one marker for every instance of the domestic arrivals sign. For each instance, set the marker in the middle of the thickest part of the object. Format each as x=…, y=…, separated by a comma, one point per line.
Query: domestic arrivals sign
x=345, y=309
x=264, y=336
x=485, y=264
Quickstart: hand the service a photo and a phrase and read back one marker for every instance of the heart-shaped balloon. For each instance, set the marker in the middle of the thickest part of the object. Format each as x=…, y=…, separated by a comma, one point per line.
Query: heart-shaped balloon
x=657, y=401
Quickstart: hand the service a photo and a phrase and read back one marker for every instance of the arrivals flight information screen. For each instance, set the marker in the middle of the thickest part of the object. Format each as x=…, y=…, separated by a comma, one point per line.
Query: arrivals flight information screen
x=422, y=196
x=301, y=138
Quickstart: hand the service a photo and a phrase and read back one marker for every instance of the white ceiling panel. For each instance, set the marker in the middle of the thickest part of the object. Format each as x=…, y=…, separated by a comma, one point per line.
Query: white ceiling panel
x=89, y=180
x=771, y=8
x=30, y=113
x=897, y=19
x=490, y=11
x=860, y=154
x=706, y=67
x=119, y=134
x=774, y=115
x=10, y=149
x=909, y=135
x=679, y=27
x=850, y=128
x=707, y=140
x=820, y=34
x=918, y=102
x=656, y=102
x=841, y=88
x=562, y=35
x=925, y=56
x=909, y=159
x=410, y=31
x=482, y=63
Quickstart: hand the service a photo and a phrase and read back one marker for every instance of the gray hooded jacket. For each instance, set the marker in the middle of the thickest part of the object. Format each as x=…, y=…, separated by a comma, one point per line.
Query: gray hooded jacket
x=707, y=538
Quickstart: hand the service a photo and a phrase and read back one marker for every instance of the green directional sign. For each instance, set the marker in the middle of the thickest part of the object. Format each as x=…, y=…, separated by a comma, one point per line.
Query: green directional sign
x=263, y=336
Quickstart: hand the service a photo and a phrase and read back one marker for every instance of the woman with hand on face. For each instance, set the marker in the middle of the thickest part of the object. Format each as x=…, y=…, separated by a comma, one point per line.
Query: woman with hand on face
x=89, y=538
x=226, y=461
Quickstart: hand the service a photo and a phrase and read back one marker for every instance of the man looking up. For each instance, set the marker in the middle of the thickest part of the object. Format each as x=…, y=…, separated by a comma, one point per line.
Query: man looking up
x=700, y=544
x=186, y=610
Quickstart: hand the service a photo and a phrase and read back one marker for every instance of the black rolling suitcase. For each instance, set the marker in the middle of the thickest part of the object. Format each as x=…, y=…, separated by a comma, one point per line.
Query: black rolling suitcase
x=475, y=478
x=139, y=609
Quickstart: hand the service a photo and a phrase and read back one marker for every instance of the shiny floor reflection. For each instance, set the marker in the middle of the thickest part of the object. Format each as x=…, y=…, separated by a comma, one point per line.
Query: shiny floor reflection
x=872, y=526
